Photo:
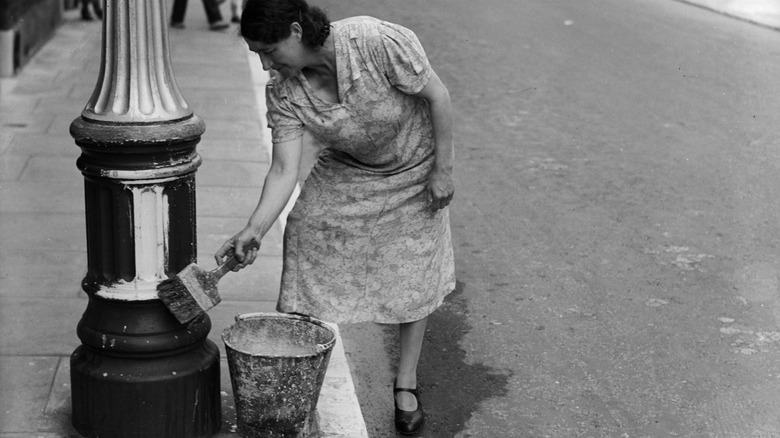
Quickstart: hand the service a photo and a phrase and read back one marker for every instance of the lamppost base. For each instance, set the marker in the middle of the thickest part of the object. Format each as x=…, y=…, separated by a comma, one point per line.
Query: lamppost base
x=171, y=391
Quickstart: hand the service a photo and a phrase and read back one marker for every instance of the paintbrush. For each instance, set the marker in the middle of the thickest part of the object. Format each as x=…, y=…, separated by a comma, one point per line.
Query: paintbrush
x=194, y=290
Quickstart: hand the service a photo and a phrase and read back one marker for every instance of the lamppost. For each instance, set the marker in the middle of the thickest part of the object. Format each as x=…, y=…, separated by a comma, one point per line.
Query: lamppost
x=139, y=373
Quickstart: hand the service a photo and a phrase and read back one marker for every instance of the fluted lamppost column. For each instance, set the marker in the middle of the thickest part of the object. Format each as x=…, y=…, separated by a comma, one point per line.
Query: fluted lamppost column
x=139, y=373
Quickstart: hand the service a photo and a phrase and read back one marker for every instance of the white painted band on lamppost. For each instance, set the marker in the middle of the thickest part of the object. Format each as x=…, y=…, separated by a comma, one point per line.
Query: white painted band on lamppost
x=150, y=234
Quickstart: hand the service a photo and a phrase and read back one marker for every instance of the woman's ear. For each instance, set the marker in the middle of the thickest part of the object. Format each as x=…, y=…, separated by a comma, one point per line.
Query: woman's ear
x=296, y=30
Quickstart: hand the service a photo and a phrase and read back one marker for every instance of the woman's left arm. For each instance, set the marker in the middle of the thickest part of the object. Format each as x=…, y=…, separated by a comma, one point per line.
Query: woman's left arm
x=441, y=187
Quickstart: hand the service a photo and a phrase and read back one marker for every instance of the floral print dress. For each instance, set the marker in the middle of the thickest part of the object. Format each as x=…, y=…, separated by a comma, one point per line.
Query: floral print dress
x=362, y=242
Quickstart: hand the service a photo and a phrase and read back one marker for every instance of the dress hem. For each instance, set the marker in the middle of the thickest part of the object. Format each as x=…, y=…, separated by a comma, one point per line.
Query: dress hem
x=335, y=320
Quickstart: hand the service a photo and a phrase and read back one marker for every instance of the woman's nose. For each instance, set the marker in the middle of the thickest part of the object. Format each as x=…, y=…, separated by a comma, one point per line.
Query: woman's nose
x=265, y=61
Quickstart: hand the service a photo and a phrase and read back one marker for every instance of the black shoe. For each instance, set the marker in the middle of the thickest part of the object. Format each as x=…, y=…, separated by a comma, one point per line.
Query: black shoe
x=408, y=422
x=85, y=15
x=235, y=20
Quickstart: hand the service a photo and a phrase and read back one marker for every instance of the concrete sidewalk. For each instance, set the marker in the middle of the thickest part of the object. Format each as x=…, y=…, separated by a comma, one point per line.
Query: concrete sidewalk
x=761, y=12
x=43, y=249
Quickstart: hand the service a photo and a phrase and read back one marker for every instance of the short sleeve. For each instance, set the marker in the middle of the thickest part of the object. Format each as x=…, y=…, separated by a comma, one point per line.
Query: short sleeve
x=284, y=124
x=405, y=63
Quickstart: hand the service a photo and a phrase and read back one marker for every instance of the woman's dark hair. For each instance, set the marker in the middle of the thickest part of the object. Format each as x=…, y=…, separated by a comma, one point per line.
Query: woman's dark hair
x=268, y=21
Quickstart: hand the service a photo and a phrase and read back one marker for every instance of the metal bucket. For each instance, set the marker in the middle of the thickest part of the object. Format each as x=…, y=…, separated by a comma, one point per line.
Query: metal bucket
x=277, y=364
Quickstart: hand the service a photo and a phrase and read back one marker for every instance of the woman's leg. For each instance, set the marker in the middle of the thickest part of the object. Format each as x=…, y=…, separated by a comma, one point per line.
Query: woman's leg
x=412, y=334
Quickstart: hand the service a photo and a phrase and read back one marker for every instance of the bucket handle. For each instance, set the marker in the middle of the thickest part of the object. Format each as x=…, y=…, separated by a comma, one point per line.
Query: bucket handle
x=244, y=316
x=319, y=348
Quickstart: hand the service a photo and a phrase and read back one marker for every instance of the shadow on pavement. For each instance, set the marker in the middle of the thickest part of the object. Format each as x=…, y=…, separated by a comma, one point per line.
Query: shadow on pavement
x=452, y=389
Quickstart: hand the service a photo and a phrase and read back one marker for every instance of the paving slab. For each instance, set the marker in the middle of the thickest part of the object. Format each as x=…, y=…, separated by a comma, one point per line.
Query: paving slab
x=12, y=166
x=26, y=144
x=39, y=326
x=247, y=150
x=19, y=120
x=19, y=229
x=59, y=273
x=61, y=122
x=29, y=379
x=231, y=174
x=227, y=202
x=227, y=110
x=233, y=129
x=49, y=168
x=42, y=197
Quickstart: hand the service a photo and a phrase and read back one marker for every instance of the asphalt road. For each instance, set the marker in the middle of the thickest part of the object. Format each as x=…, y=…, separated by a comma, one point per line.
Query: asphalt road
x=615, y=222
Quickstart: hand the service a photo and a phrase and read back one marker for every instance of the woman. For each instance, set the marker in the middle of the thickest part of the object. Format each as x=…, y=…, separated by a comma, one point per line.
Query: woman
x=369, y=237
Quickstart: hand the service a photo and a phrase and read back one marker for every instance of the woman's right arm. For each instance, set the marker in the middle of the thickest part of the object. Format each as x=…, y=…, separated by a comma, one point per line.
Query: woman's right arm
x=277, y=189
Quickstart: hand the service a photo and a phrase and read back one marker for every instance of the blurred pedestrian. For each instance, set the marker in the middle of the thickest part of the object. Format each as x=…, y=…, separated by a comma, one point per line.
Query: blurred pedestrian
x=235, y=10
x=368, y=239
x=86, y=15
x=213, y=14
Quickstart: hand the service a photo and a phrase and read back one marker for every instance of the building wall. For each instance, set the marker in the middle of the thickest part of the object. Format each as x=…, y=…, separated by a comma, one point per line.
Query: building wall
x=25, y=26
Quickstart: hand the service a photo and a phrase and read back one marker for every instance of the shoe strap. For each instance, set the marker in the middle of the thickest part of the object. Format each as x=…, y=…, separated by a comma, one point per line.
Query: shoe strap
x=413, y=391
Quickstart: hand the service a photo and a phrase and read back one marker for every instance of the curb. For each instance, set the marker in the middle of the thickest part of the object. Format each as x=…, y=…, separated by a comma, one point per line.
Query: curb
x=764, y=13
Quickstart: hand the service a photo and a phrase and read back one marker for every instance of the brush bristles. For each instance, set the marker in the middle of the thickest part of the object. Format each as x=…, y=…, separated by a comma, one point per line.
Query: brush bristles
x=168, y=283
x=174, y=294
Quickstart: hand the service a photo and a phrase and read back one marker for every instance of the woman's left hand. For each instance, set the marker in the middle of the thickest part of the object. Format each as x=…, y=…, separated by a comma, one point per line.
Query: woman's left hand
x=441, y=189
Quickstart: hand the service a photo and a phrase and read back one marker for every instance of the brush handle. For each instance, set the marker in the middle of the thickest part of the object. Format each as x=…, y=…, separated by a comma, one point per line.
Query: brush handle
x=233, y=261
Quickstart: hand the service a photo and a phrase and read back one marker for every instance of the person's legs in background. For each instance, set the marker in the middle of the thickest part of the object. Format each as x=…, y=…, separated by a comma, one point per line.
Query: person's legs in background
x=213, y=15
x=235, y=11
x=177, y=13
x=85, y=12
x=98, y=8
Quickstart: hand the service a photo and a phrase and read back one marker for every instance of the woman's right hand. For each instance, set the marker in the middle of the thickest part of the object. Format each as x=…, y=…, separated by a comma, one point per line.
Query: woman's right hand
x=236, y=245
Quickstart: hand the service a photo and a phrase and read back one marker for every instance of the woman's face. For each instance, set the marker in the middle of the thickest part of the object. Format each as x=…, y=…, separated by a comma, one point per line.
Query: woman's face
x=287, y=56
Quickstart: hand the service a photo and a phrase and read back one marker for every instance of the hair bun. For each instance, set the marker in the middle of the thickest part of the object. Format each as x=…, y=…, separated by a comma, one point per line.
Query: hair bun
x=269, y=21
